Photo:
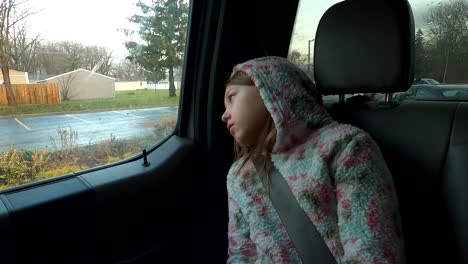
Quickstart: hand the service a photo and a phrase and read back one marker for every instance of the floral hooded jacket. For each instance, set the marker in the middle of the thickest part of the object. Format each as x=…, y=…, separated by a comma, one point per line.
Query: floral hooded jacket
x=335, y=171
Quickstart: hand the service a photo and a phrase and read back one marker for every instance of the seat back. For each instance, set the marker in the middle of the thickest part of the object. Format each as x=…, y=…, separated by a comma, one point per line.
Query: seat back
x=425, y=144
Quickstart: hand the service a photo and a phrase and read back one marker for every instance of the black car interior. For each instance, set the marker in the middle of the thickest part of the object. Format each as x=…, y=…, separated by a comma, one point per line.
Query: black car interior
x=175, y=209
x=366, y=46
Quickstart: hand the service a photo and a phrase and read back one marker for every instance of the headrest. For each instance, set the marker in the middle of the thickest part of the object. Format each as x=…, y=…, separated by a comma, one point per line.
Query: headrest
x=365, y=46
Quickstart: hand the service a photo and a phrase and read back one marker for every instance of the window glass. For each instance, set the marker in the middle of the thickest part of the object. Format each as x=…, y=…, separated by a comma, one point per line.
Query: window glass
x=441, y=46
x=86, y=83
x=301, y=48
x=441, y=49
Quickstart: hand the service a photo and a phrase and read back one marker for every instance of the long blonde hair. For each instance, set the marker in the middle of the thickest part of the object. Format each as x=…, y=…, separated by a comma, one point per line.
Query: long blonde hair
x=262, y=150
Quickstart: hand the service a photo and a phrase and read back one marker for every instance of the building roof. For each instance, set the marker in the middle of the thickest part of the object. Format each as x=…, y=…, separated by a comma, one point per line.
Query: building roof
x=77, y=70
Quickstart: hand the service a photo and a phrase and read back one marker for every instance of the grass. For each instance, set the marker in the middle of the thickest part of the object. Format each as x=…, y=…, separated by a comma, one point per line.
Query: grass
x=122, y=100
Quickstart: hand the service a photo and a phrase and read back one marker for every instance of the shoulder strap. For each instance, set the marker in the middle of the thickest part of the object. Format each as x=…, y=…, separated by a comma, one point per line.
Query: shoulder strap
x=308, y=241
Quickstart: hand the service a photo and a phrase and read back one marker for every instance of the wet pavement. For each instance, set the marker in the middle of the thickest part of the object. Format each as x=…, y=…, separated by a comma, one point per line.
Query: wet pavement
x=39, y=131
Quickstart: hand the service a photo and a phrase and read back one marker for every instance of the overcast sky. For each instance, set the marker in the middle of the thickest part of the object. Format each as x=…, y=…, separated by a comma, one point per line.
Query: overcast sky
x=93, y=22
x=310, y=12
x=96, y=22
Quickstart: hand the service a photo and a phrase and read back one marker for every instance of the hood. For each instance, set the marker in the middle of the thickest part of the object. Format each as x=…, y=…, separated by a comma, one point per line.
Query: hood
x=290, y=96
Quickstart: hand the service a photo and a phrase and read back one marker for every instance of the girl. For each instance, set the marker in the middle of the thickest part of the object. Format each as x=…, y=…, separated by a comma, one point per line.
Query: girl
x=335, y=171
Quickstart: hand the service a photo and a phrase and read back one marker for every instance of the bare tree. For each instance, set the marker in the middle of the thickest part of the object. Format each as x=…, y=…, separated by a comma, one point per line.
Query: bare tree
x=11, y=13
x=65, y=56
x=294, y=56
x=74, y=54
x=447, y=31
x=51, y=58
x=127, y=71
x=300, y=60
x=24, y=49
x=420, y=60
x=6, y=10
x=66, y=85
x=97, y=59
x=60, y=57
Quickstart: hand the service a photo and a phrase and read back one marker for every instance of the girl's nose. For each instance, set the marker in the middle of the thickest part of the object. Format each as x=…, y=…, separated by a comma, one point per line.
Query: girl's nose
x=225, y=117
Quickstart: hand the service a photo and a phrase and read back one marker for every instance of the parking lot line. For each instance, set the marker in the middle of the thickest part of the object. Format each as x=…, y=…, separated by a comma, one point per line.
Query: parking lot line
x=22, y=124
x=81, y=119
x=127, y=114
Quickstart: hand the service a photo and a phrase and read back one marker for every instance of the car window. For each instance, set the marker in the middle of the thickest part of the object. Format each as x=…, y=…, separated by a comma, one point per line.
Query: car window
x=441, y=46
x=456, y=94
x=427, y=94
x=87, y=85
x=441, y=43
x=433, y=82
x=422, y=92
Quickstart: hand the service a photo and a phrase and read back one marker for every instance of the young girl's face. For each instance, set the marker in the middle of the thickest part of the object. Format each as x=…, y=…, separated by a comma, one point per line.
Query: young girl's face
x=245, y=114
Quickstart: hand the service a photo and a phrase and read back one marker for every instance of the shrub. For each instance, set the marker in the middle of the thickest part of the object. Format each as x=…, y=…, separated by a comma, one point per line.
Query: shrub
x=59, y=171
x=165, y=126
x=112, y=159
x=21, y=166
x=66, y=149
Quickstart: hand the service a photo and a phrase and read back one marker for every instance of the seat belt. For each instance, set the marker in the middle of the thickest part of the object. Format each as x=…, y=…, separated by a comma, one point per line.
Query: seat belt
x=305, y=237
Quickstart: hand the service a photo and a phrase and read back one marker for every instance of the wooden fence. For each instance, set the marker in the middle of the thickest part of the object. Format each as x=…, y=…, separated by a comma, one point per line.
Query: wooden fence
x=40, y=93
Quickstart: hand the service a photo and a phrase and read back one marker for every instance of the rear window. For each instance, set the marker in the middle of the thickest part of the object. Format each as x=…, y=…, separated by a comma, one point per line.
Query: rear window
x=441, y=47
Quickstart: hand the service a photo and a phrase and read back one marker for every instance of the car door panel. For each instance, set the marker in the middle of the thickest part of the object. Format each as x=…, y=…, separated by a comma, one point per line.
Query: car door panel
x=103, y=216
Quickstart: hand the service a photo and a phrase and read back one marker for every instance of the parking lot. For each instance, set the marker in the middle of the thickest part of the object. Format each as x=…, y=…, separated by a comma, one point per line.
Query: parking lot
x=38, y=131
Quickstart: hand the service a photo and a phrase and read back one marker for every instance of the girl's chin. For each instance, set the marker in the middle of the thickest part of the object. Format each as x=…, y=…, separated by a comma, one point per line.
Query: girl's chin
x=240, y=139
x=242, y=143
